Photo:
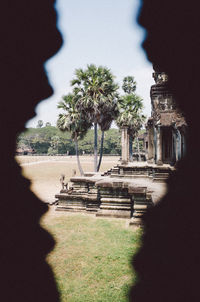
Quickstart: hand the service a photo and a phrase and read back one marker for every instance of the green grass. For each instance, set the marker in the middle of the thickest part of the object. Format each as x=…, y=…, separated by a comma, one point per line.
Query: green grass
x=91, y=260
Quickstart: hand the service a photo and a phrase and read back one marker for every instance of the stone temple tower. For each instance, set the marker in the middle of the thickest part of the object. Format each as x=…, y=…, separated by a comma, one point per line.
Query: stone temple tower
x=166, y=128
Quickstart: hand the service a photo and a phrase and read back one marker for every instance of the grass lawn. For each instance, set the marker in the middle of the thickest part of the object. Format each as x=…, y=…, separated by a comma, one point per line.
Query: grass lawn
x=91, y=260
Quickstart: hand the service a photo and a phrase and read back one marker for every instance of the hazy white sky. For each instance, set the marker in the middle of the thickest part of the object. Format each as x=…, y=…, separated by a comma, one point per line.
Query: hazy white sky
x=102, y=32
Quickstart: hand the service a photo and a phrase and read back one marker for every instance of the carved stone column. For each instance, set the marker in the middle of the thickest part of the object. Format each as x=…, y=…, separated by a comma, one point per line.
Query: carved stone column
x=150, y=156
x=179, y=145
x=183, y=145
x=183, y=132
x=155, y=144
x=125, y=145
x=174, y=146
x=159, y=146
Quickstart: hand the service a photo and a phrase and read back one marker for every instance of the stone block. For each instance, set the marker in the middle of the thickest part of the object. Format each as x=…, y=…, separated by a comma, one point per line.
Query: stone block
x=115, y=200
x=114, y=213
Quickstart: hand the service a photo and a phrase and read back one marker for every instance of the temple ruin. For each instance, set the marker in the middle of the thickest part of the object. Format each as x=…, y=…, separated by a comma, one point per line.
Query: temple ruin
x=130, y=188
x=166, y=128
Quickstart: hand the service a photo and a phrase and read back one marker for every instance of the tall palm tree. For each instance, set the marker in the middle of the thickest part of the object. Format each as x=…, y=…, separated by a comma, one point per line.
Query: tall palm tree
x=130, y=108
x=73, y=122
x=129, y=85
x=109, y=112
x=96, y=98
x=133, y=131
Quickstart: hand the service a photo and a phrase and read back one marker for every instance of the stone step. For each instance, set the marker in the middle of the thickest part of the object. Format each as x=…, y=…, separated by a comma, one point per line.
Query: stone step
x=136, y=221
x=78, y=197
x=129, y=176
x=141, y=207
x=138, y=214
x=79, y=187
x=135, y=173
x=92, y=191
x=115, y=207
x=161, y=175
x=149, y=204
x=114, y=197
x=73, y=203
x=69, y=198
x=117, y=204
x=139, y=200
x=160, y=179
x=70, y=209
x=92, y=205
x=113, y=213
x=116, y=200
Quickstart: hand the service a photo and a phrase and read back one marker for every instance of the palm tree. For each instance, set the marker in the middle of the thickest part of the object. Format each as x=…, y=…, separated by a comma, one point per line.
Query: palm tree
x=73, y=122
x=133, y=131
x=129, y=85
x=130, y=108
x=109, y=112
x=97, y=100
x=40, y=124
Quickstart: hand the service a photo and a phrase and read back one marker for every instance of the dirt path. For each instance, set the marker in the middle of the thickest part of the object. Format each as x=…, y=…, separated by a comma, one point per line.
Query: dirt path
x=42, y=161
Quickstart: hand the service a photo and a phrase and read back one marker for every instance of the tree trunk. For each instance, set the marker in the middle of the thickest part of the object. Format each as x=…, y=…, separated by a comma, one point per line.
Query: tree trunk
x=130, y=148
x=101, y=150
x=95, y=147
x=138, y=148
x=77, y=157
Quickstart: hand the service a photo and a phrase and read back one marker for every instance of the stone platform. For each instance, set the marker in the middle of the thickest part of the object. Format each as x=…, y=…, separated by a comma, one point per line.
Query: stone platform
x=125, y=191
x=141, y=170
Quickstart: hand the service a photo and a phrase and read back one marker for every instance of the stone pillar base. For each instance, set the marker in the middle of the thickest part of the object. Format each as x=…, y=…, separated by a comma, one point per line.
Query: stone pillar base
x=136, y=222
x=124, y=162
x=141, y=202
x=159, y=163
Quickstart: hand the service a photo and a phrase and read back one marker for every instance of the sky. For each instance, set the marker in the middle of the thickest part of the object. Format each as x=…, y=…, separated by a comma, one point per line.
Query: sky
x=100, y=32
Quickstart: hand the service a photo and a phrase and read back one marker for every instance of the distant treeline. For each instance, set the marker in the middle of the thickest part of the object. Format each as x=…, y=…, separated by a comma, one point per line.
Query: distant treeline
x=50, y=140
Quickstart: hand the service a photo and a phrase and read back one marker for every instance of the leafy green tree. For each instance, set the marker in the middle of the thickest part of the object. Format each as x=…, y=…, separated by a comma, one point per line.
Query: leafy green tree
x=73, y=122
x=86, y=144
x=112, y=143
x=40, y=124
x=39, y=139
x=96, y=94
x=54, y=144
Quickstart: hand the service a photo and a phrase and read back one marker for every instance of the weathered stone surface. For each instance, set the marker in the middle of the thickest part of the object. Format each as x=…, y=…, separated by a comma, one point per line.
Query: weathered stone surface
x=107, y=196
x=114, y=213
x=125, y=145
x=116, y=200
x=137, y=190
x=89, y=174
x=166, y=128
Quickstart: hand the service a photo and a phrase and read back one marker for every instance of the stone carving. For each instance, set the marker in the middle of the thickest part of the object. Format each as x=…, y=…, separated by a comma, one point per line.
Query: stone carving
x=156, y=112
x=62, y=181
x=73, y=172
x=160, y=77
x=179, y=119
x=165, y=147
